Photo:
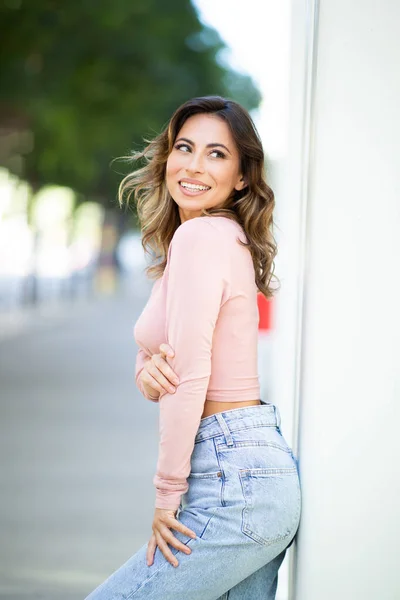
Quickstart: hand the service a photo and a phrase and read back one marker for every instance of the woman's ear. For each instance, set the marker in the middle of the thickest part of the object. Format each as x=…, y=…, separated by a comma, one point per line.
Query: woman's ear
x=241, y=184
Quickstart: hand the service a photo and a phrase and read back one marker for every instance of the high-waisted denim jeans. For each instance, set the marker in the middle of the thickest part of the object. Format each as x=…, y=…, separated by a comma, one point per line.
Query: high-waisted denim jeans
x=243, y=502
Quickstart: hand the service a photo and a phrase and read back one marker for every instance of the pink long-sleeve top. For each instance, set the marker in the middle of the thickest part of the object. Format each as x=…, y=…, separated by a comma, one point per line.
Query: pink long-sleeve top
x=205, y=307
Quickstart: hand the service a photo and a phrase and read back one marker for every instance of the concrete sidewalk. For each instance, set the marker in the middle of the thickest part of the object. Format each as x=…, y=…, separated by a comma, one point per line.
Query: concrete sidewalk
x=78, y=450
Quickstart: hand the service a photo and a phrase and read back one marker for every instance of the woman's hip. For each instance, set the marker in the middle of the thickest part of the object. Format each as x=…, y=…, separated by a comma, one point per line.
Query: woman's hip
x=243, y=470
x=230, y=442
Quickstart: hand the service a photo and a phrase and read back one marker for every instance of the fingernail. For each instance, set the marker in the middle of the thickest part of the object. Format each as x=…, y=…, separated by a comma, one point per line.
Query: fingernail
x=175, y=564
x=170, y=353
x=176, y=380
x=171, y=389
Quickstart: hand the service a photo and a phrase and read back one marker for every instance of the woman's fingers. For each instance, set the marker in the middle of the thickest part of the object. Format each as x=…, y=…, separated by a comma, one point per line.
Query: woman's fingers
x=163, y=385
x=165, y=369
x=150, y=381
x=183, y=529
x=162, y=544
x=163, y=523
x=166, y=349
x=157, y=374
x=173, y=541
x=151, y=548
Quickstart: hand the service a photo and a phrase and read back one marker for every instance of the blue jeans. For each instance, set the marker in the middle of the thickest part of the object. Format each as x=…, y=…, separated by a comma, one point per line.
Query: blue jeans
x=243, y=502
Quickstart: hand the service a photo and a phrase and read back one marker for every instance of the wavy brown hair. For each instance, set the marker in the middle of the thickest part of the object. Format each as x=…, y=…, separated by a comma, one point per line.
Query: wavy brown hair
x=251, y=207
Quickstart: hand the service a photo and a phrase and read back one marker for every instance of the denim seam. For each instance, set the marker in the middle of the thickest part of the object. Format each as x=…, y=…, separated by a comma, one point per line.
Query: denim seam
x=259, y=540
x=268, y=471
x=222, y=499
x=254, y=443
x=207, y=524
x=213, y=475
x=233, y=430
x=132, y=594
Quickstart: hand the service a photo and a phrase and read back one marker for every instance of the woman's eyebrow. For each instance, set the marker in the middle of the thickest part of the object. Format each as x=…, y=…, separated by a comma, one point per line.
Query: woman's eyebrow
x=208, y=145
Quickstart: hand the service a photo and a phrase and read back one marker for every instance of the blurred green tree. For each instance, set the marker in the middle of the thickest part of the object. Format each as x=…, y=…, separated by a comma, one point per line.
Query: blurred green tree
x=83, y=82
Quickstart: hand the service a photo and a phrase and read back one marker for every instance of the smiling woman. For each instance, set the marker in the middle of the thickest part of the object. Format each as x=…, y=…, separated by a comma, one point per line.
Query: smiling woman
x=226, y=480
x=209, y=141
x=198, y=168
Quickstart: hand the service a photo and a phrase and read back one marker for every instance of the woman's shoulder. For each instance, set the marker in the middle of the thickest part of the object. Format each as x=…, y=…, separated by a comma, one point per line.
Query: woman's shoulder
x=212, y=227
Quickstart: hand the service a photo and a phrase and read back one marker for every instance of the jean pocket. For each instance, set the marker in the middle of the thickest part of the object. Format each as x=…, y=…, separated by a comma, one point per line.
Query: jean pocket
x=204, y=490
x=272, y=502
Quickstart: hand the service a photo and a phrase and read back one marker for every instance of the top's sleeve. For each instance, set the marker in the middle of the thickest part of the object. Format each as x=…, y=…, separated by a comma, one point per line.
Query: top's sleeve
x=141, y=359
x=198, y=285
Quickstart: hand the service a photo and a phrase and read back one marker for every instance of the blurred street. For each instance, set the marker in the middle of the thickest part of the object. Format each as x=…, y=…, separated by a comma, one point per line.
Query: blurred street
x=78, y=448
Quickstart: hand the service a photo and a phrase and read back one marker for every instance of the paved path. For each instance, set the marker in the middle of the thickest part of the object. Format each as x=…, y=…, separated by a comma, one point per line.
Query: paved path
x=78, y=449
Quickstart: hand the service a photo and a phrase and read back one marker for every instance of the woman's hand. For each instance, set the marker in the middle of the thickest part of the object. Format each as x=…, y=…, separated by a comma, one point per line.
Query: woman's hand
x=164, y=520
x=157, y=376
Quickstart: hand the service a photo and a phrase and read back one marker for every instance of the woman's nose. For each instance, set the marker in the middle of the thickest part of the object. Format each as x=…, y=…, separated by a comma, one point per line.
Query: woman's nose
x=196, y=164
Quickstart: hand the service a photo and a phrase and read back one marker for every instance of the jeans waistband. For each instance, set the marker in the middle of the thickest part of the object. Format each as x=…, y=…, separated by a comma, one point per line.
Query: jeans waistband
x=263, y=415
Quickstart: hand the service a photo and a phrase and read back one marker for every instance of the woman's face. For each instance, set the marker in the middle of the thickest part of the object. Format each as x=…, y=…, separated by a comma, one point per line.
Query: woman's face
x=203, y=167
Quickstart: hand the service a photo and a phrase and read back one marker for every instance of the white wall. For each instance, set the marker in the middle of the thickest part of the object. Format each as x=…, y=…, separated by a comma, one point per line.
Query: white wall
x=289, y=184
x=341, y=249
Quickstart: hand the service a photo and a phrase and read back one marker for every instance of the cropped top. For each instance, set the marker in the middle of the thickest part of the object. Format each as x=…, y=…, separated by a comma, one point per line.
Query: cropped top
x=205, y=307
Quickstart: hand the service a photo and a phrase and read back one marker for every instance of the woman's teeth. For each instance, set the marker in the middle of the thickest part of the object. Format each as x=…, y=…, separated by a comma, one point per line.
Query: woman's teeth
x=194, y=186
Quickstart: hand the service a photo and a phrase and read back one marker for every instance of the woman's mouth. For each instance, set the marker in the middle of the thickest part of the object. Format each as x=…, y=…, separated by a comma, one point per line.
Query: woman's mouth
x=193, y=189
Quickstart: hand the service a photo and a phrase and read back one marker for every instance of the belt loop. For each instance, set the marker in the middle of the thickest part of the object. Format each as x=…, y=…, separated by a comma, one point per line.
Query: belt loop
x=277, y=416
x=225, y=428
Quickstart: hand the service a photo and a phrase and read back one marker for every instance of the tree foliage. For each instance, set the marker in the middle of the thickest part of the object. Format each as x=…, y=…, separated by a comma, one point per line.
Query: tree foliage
x=83, y=82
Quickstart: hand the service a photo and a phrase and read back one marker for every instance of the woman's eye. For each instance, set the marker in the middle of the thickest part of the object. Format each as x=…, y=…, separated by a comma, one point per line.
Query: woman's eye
x=186, y=148
x=180, y=146
x=218, y=153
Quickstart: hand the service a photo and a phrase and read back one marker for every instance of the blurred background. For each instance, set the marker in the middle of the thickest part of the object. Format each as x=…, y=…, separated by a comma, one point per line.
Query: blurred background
x=81, y=85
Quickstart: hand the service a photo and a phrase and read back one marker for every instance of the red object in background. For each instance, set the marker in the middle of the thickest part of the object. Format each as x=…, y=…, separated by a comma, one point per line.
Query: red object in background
x=265, y=312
